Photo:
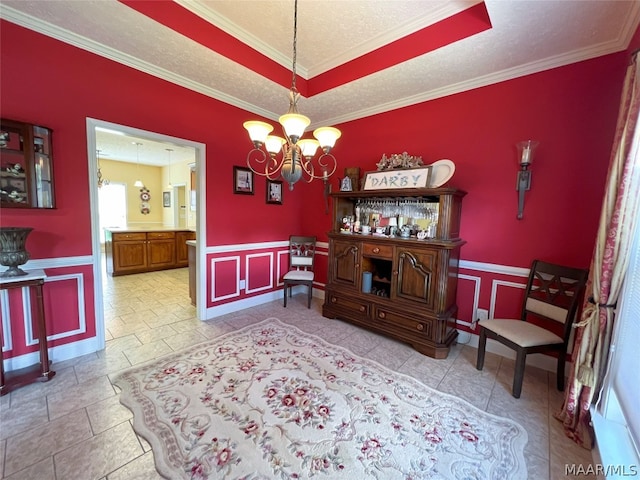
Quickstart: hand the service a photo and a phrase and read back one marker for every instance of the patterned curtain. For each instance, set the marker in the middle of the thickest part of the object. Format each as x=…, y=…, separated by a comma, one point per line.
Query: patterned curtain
x=620, y=211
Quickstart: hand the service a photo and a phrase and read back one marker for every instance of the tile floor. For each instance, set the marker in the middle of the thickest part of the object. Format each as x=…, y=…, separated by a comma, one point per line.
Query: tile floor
x=73, y=427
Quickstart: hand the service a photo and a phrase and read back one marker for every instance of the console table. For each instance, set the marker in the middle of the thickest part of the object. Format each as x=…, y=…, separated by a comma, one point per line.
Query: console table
x=38, y=372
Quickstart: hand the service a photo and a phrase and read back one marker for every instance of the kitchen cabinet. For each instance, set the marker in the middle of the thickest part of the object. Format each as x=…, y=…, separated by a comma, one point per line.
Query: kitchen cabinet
x=412, y=293
x=144, y=251
x=26, y=166
x=126, y=252
x=161, y=250
x=182, y=251
x=193, y=286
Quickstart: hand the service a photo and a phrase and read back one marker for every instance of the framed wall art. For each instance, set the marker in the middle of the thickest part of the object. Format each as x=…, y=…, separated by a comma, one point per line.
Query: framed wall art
x=166, y=199
x=274, y=192
x=242, y=180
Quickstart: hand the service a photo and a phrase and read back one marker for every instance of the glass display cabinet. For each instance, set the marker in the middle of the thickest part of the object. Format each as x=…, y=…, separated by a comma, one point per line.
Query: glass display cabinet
x=26, y=166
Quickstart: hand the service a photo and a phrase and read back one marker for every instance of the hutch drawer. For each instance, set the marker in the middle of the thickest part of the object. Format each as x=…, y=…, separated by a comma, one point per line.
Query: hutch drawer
x=349, y=304
x=375, y=250
x=401, y=320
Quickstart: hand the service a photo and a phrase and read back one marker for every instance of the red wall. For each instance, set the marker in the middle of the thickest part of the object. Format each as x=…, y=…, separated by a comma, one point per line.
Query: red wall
x=56, y=85
x=572, y=112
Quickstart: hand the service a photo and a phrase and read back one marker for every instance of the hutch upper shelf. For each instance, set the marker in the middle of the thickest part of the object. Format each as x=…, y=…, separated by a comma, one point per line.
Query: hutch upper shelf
x=26, y=169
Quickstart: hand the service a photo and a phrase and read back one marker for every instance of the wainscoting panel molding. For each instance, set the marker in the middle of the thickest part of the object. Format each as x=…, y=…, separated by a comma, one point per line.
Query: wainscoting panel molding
x=256, y=270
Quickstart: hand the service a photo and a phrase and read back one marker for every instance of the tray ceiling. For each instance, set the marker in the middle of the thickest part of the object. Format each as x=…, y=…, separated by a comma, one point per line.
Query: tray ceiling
x=355, y=58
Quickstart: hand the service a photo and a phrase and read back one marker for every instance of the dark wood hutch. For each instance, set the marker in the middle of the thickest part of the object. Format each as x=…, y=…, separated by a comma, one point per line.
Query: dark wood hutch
x=414, y=281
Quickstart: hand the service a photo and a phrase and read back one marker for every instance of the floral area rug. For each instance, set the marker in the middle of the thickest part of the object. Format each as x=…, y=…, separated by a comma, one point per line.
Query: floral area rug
x=271, y=402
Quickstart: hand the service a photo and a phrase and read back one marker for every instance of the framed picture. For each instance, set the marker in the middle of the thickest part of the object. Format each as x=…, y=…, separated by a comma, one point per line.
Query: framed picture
x=274, y=192
x=242, y=180
x=166, y=199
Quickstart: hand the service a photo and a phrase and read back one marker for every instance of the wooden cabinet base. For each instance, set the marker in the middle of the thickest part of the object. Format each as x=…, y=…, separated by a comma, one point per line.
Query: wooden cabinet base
x=416, y=331
x=130, y=252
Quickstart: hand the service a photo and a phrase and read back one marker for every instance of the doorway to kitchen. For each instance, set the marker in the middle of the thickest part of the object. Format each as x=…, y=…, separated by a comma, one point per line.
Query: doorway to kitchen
x=180, y=213
x=112, y=207
x=197, y=192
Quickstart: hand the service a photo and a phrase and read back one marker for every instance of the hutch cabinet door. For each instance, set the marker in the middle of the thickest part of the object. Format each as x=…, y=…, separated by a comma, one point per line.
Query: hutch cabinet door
x=16, y=159
x=345, y=267
x=43, y=170
x=417, y=275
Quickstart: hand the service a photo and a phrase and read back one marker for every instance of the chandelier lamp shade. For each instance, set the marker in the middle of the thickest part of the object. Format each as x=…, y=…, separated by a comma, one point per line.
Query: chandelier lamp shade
x=297, y=159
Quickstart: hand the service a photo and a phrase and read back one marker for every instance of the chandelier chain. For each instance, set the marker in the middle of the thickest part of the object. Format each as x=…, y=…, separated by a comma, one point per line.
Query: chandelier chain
x=297, y=152
x=295, y=44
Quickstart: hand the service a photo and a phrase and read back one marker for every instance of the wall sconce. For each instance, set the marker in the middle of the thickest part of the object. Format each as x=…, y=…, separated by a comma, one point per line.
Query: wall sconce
x=525, y=156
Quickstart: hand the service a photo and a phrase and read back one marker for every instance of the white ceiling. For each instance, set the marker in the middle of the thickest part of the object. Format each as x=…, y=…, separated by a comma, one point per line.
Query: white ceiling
x=526, y=36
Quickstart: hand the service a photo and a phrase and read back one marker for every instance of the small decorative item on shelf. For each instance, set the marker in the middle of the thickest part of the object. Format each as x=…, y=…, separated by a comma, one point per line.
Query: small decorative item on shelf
x=354, y=174
x=345, y=185
x=397, y=160
x=12, y=250
x=4, y=139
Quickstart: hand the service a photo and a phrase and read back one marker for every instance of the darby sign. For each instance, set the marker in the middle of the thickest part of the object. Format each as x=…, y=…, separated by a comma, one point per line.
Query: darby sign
x=398, y=179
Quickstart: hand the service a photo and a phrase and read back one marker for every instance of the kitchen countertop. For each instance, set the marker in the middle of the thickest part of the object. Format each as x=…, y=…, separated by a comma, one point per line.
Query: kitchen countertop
x=148, y=228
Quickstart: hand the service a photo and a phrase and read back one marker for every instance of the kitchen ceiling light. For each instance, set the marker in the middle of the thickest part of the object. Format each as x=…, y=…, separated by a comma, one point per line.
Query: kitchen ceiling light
x=169, y=185
x=297, y=154
x=138, y=183
x=101, y=181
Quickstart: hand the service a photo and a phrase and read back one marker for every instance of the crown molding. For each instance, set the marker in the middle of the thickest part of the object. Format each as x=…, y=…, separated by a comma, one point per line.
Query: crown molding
x=483, y=81
x=89, y=45
x=65, y=36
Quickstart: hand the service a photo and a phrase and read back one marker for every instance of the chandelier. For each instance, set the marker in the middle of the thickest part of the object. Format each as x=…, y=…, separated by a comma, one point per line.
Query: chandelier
x=297, y=153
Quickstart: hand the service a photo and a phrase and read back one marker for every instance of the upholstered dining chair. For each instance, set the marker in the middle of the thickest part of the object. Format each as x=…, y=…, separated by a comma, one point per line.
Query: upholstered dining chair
x=301, y=258
x=552, y=296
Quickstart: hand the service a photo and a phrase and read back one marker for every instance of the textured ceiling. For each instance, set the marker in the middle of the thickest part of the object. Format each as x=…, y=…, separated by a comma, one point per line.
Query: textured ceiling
x=524, y=37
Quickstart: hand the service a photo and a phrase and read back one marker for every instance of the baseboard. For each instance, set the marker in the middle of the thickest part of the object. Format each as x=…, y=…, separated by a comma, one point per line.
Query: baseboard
x=56, y=354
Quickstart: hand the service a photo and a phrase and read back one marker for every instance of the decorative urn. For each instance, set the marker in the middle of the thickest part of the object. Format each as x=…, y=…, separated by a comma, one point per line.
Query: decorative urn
x=12, y=250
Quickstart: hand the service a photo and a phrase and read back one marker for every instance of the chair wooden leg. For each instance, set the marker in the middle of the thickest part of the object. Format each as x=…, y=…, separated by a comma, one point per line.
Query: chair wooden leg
x=309, y=295
x=562, y=357
x=482, y=345
x=285, y=295
x=521, y=360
